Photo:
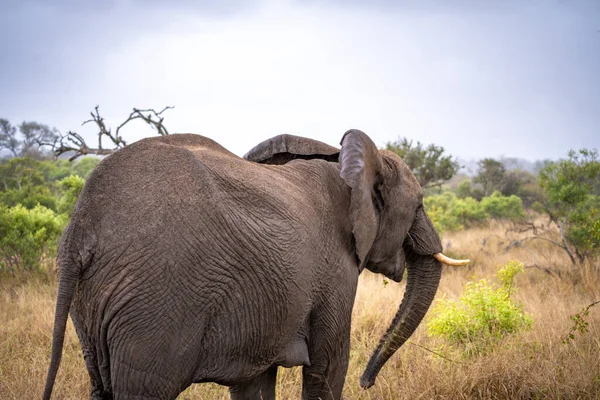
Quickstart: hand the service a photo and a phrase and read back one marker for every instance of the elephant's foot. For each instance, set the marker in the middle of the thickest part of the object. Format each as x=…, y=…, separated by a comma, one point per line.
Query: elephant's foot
x=259, y=388
x=100, y=394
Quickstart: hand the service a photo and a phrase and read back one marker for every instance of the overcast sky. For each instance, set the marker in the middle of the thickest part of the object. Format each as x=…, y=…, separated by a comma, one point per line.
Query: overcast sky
x=481, y=78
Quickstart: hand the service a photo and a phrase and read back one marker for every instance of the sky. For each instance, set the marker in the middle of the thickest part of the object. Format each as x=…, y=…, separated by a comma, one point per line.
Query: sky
x=482, y=79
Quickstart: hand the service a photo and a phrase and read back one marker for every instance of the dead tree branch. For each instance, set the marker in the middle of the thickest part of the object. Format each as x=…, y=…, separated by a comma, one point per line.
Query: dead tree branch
x=523, y=227
x=153, y=118
x=74, y=142
x=547, y=270
x=540, y=233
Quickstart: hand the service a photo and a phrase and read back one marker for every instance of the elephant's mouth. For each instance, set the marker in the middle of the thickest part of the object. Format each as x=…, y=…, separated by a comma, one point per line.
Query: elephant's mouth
x=392, y=268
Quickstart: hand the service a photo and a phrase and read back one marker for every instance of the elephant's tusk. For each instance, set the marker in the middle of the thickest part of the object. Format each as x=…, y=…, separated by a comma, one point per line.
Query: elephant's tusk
x=450, y=261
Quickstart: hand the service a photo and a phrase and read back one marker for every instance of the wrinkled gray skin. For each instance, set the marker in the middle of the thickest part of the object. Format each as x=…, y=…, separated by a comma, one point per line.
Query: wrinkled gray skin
x=184, y=263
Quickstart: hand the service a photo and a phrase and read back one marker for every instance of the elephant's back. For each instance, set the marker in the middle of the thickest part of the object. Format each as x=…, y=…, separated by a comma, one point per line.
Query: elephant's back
x=183, y=229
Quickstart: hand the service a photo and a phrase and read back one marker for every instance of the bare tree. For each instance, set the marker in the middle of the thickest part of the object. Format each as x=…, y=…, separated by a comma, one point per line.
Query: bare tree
x=34, y=134
x=27, y=141
x=8, y=137
x=74, y=142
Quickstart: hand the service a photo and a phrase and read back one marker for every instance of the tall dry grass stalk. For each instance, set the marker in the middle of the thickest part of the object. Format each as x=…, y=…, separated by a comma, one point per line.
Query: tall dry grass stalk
x=534, y=364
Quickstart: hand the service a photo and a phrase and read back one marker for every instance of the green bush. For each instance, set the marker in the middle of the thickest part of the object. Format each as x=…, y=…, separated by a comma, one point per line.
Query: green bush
x=71, y=186
x=571, y=199
x=28, y=236
x=503, y=207
x=436, y=207
x=584, y=226
x=483, y=314
x=36, y=200
x=448, y=212
x=84, y=166
x=468, y=212
x=29, y=197
x=593, y=235
x=464, y=189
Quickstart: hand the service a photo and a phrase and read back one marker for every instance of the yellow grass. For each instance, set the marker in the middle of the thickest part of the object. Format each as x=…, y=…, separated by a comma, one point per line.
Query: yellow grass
x=533, y=364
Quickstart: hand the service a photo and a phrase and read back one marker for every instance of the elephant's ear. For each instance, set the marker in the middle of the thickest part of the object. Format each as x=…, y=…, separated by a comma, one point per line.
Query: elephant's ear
x=284, y=148
x=360, y=168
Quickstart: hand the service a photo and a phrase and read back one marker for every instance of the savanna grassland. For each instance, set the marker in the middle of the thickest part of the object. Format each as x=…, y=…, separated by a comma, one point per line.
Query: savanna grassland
x=533, y=364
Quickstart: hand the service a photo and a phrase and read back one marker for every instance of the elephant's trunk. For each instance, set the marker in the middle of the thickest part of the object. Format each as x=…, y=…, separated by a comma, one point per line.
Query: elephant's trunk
x=424, y=274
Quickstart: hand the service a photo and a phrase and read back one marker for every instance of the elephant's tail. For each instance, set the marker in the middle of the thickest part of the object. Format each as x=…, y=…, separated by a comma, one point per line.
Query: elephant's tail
x=69, y=275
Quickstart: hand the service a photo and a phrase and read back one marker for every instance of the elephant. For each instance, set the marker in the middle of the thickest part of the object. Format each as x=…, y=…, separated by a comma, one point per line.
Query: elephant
x=184, y=263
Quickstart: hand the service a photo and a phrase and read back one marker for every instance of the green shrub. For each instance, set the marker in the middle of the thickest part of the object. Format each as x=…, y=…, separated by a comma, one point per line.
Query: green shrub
x=29, y=197
x=84, y=166
x=28, y=236
x=36, y=200
x=464, y=189
x=483, y=314
x=571, y=199
x=503, y=207
x=468, y=212
x=71, y=186
x=584, y=223
x=593, y=234
x=449, y=213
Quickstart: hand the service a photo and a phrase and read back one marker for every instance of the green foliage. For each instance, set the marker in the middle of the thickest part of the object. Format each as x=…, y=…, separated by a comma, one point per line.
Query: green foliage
x=503, y=207
x=23, y=181
x=464, y=189
x=493, y=177
x=428, y=163
x=580, y=323
x=490, y=175
x=29, y=197
x=523, y=184
x=593, y=234
x=55, y=170
x=571, y=189
x=84, y=166
x=28, y=236
x=448, y=212
x=71, y=186
x=483, y=315
x=36, y=200
x=567, y=183
x=584, y=226
x=19, y=172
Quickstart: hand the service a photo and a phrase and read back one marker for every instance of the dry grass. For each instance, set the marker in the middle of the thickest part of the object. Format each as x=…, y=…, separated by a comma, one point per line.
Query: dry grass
x=535, y=364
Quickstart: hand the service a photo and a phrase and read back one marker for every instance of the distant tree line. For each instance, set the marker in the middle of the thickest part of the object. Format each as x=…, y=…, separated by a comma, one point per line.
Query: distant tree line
x=566, y=192
x=26, y=139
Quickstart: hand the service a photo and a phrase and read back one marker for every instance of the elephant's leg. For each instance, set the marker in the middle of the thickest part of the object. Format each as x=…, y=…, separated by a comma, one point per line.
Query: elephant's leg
x=259, y=388
x=96, y=389
x=329, y=350
x=131, y=382
x=324, y=379
x=91, y=361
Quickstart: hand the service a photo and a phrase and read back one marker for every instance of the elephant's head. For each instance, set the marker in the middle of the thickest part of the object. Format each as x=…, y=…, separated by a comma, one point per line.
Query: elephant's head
x=391, y=230
x=390, y=226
